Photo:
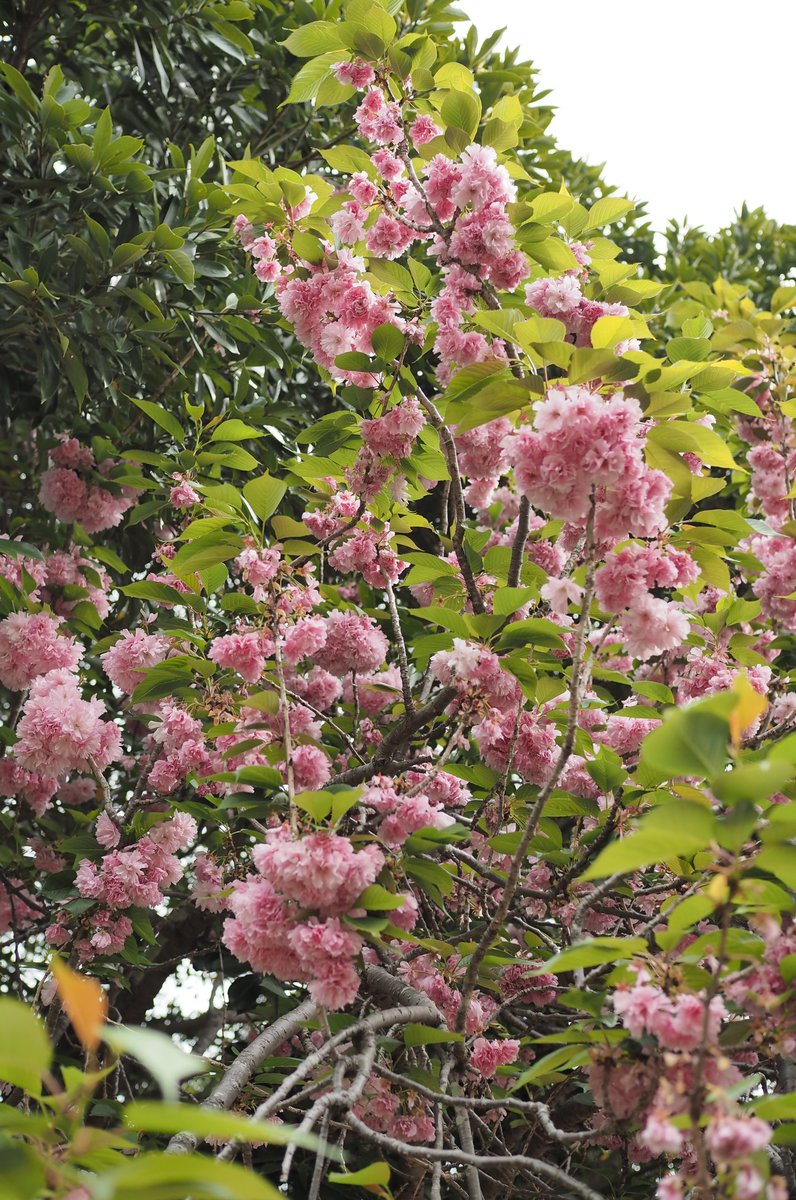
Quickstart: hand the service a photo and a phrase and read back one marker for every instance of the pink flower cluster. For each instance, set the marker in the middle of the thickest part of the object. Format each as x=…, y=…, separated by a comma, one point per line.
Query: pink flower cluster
x=582, y=444
x=477, y=675
x=778, y=580
x=244, y=652
x=380, y=1109
x=128, y=659
x=180, y=739
x=563, y=300
x=402, y=813
x=676, y=1021
x=358, y=73
x=270, y=928
x=31, y=644
x=369, y=554
x=68, y=494
x=135, y=875
x=535, y=748
x=649, y=624
x=423, y=972
x=36, y=790
x=60, y=732
x=335, y=310
x=259, y=567
x=183, y=494
x=340, y=643
x=486, y=1056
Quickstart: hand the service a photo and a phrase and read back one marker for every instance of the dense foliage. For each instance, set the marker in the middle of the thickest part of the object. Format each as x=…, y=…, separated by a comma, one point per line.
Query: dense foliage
x=396, y=632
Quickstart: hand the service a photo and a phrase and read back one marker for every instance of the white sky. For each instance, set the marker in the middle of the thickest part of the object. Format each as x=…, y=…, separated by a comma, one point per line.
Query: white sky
x=688, y=102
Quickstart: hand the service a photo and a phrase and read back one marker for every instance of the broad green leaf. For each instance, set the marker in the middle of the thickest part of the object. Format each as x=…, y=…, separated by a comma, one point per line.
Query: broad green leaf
x=592, y=952
x=387, y=341
x=688, y=437
x=461, y=110
x=204, y=552
x=151, y=1116
x=176, y=1176
x=161, y=417
x=606, y=211
x=689, y=741
x=429, y=1035
x=165, y=1061
x=25, y=1052
x=674, y=829
x=375, y=1175
x=234, y=430
x=264, y=494
x=316, y=38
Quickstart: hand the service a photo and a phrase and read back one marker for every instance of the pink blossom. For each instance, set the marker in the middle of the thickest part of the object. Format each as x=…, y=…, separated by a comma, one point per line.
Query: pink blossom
x=352, y=643
x=321, y=872
x=209, y=883
x=60, y=732
x=728, y=1137
x=423, y=130
x=127, y=661
x=310, y=768
x=31, y=645
x=244, y=652
x=183, y=494
x=486, y=1056
x=660, y=1136
x=107, y=832
x=358, y=73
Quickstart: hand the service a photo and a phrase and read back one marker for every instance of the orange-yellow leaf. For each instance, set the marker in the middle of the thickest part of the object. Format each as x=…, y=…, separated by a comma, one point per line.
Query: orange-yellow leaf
x=748, y=707
x=84, y=1000
x=718, y=890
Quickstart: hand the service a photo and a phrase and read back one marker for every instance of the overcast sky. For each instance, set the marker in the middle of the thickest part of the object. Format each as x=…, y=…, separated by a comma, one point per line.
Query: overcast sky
x=689, y=103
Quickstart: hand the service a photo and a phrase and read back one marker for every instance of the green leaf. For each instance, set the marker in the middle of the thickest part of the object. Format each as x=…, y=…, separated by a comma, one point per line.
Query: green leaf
x=181, y=265
x=606, y=211
x=348, y=160
x=161, y=417
x=204, y=552
x=429, y=1035
x=165, y=1061
x=689, y=741
x=387, y=341
x=316, y=38
x=534, y=631
x=264, y=495
x=378, y=899
x=375, y=1175
x=234, y=430
x=592, y=952
x=175, y=1176
x=462, y=110
x=21, y=1169
x=19, y=86
x=675, y=829
x=688, y=437
x=25, y=1052
x=150, y=1116
x=126, y=254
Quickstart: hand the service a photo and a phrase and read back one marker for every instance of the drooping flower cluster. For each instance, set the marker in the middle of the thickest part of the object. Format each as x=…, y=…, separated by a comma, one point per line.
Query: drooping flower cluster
x=32, y=644
x=583, y=446
x=60, y=732
x=270, y=927
x=73, y=491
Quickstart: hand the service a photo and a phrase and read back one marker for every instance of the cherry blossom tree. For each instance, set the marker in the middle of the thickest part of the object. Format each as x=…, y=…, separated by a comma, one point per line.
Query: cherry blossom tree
x=449, y=739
